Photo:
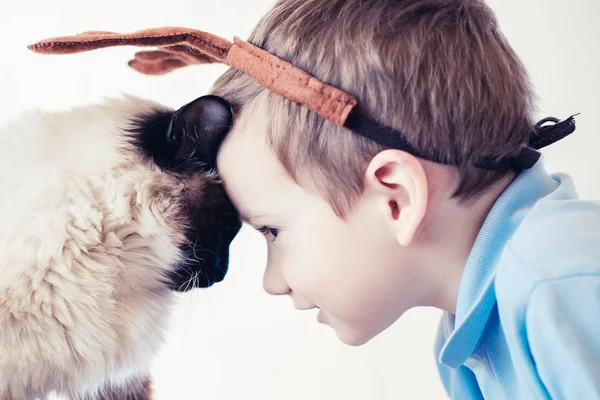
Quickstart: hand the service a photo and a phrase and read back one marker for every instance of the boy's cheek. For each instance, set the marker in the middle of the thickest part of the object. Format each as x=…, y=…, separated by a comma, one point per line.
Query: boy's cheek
x=357, y=316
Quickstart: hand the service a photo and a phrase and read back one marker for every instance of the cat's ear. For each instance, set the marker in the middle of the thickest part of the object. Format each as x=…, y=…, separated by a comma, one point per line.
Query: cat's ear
x=204, y=123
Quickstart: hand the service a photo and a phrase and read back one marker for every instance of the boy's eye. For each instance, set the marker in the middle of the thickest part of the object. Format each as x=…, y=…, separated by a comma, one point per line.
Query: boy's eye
x=269, y=232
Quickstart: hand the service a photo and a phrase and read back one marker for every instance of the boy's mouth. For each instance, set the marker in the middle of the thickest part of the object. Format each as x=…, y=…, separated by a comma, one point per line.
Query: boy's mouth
x=321, y=317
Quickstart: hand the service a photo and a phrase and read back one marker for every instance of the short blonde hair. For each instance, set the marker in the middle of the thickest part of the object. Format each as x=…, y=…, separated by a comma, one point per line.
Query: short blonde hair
x=438, y=70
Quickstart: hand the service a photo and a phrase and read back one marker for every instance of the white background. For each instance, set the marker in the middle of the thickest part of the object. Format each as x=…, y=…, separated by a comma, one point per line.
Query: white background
x=233, y=341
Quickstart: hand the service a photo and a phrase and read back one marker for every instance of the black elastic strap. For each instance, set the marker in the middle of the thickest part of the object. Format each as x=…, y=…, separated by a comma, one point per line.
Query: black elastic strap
x=546, y=135
x=391, y=138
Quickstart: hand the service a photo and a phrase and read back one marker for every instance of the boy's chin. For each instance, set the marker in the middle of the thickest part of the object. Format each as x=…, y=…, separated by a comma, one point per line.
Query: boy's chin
x=354, y=337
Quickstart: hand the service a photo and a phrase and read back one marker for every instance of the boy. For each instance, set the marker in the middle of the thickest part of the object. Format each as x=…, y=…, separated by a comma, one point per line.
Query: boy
x=365, y=232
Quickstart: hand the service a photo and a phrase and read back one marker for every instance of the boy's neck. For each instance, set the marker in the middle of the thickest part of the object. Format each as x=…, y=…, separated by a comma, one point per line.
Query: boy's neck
x=449, y=234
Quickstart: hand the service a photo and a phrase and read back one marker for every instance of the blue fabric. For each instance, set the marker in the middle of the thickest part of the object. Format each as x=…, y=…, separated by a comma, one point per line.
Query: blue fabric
x=527, y=323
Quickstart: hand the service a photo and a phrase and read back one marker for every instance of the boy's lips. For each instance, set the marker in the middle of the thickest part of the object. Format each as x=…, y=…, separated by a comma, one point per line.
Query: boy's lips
x=321, y=317
x=298, y=305
x=302, y=304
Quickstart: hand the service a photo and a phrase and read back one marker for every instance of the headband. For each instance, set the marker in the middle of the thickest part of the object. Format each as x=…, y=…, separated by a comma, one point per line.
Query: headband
x=180, y=47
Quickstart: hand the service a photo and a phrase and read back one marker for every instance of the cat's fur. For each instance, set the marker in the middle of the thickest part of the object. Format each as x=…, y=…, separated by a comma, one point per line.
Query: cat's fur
x=95, y=236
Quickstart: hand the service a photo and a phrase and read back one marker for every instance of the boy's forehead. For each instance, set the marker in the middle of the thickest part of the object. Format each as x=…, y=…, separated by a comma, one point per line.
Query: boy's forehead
x=250, y=171
x=244, y=154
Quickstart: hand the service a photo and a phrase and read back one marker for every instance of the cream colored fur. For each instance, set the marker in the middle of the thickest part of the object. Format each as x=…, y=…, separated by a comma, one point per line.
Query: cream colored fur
x=87, y=229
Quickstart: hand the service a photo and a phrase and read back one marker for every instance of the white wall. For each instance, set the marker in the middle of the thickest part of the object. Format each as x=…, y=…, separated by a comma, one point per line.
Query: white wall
x=233, y=341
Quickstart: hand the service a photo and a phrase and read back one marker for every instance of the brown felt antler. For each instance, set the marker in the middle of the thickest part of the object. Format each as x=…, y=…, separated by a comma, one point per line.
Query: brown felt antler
x=180, y=47
x=158, y=62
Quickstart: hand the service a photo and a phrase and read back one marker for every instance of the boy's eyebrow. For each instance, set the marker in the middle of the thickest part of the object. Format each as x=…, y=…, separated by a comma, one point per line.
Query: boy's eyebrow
x=248, y=216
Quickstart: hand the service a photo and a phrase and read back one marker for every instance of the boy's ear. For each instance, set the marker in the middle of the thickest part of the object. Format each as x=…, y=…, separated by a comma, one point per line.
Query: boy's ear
x=399, y=185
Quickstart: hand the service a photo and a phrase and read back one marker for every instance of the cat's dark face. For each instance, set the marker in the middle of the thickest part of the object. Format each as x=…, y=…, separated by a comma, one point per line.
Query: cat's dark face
x=184, y=143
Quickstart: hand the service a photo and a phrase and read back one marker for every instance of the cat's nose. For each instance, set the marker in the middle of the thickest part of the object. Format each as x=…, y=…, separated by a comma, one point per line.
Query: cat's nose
x=204, y=262
x=221, y=263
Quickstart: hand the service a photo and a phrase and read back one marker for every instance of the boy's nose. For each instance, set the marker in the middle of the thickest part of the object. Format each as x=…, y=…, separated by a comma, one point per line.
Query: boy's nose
x=273, y=281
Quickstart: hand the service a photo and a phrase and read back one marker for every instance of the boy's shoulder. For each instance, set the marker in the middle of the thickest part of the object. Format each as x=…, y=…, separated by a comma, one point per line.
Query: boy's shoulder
x=547, y=288
x=560, y=235
x=557, y=242
x=530, y=296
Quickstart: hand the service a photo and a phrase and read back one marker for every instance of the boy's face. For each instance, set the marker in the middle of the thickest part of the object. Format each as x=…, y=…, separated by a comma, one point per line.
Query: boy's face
x=352, y=270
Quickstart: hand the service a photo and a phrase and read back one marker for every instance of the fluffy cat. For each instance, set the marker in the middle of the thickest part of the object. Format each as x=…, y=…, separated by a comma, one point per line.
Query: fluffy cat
x=106, y=210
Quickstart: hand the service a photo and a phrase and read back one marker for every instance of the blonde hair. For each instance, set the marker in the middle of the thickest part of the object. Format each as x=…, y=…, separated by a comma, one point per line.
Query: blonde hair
x=438, y=70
